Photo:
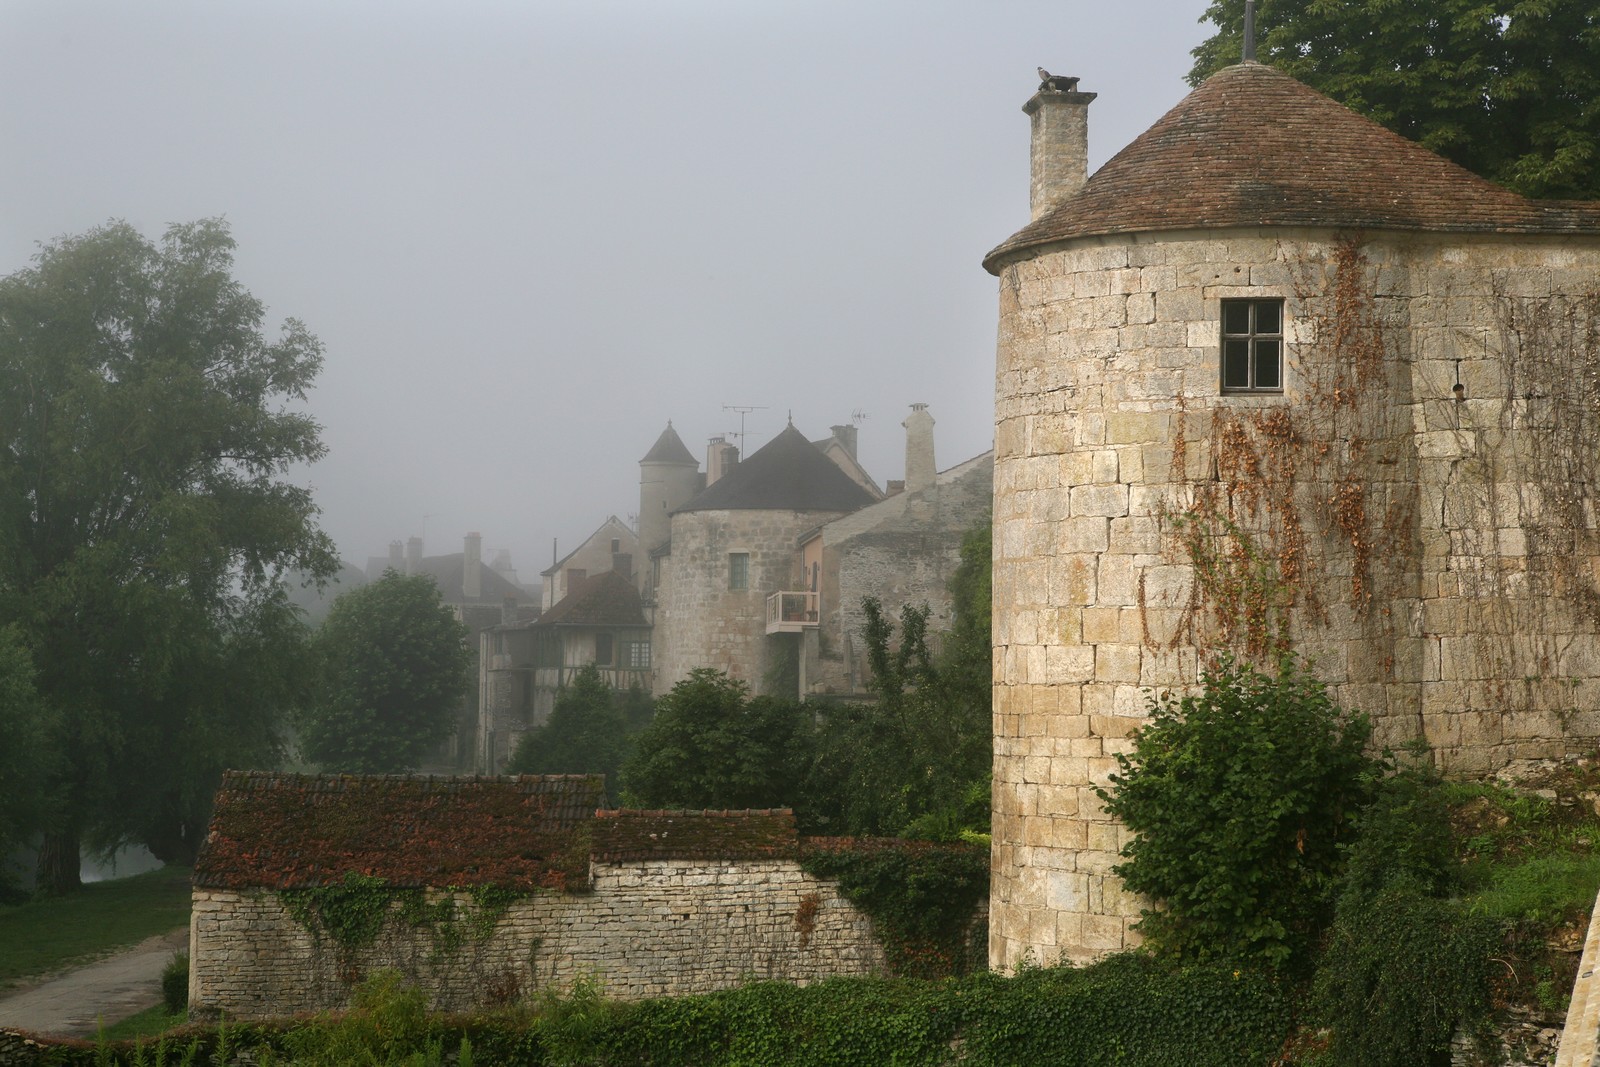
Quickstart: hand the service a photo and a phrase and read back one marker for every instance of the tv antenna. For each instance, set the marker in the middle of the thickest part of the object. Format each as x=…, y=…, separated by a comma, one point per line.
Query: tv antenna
x=743, y=410
x=858, y=416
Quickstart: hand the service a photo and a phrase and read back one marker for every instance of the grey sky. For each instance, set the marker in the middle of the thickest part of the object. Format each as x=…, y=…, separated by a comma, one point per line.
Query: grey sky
x=529, y=233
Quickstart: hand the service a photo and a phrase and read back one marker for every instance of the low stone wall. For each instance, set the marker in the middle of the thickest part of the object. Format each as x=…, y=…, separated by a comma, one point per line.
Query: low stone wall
x=646, y=928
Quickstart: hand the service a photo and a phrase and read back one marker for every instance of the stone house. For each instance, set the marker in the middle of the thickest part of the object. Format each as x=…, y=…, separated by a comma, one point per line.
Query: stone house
x=524, y=665
x=612, y=547
x=901, y=550
x=731, y=549
x=1276, y=377
x=494, y=889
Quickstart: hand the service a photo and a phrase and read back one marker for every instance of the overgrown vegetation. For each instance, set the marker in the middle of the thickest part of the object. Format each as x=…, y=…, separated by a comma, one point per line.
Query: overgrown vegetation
x=1131, y=1011
x=591, y=730
x=1242, y=796
x=921, y=898
x=912, y=762
x=1408, y=908
x=352, y=913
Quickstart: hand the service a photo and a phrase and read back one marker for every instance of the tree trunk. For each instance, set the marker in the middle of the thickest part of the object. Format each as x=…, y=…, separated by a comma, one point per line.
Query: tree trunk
x=58, y=871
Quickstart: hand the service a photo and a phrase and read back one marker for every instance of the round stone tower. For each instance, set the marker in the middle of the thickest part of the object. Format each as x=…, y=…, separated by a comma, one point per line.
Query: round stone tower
x=669, y=476
x=1275, y=378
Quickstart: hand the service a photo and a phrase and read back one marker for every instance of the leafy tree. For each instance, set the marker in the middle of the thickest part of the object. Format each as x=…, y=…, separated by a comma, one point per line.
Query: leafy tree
x=1509, y=89
x=23, y=756
x=392, y=659
x=711, y=746
x=1241, y=797
x=146, y=425
x=590, y=731
x=916, y=761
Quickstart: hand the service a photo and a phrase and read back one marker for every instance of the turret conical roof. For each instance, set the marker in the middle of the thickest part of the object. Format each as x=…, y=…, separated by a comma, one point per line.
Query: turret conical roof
x=787, y=473
x=669, y=448
x=1254, y=147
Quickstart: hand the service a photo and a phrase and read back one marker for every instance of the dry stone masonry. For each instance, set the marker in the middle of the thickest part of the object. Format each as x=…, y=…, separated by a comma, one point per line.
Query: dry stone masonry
x=481, y=891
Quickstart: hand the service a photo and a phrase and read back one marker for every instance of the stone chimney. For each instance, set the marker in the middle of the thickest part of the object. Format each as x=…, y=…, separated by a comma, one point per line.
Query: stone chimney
x=846, y=436
x=397, y=557
x=920, y=470
x=622, y=563
x=414, y=556
x=1060, y=115
x=720, y=459
x=508, y=610
x=472, y=566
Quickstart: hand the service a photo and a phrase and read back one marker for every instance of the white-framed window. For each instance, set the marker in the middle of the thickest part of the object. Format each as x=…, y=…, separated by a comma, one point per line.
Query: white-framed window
x=636, y=655
x=738, y=570
x=1252, y=346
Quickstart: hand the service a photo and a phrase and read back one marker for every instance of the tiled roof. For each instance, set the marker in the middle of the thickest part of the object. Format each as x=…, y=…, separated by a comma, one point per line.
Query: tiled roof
x=1254, y=147
x=633, y=835
x=606, y=599
x=787, y=473
x=286, y=831
x=669, y=448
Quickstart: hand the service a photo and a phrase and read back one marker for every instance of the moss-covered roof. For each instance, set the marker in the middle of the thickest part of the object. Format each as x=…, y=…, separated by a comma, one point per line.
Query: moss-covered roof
x=635, y=835
x=287, y=831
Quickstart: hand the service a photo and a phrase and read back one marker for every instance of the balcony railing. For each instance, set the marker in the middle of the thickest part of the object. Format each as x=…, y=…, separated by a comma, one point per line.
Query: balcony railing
x=789, y=613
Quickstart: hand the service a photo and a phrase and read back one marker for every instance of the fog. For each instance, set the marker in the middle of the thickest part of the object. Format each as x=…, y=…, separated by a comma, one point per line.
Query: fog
x=529, y=233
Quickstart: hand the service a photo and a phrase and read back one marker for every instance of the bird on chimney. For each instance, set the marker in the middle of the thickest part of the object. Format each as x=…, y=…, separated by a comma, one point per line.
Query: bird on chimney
x=1058, y=82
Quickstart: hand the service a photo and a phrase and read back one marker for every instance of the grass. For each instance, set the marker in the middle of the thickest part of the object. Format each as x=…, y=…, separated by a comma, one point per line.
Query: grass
x=147, y=1023
x=43, y=936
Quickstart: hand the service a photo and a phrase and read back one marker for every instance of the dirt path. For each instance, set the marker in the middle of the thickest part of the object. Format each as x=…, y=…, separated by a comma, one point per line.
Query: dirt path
x=76, y=1003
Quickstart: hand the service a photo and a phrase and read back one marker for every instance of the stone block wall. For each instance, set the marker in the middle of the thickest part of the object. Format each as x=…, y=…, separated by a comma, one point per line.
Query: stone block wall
x=1433, y=549
x=699, y=621
x=902, y=550
x=647, y=928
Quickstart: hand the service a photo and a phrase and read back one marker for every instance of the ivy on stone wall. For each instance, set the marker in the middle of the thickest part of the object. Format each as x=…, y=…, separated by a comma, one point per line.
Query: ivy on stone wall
x=922, y=898
x=353, y=912
x=1275, y=508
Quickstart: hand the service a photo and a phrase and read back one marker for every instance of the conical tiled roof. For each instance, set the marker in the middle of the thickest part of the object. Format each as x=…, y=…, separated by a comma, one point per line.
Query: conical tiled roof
x=669, y=448
x=1254, y=147
x=787, y=473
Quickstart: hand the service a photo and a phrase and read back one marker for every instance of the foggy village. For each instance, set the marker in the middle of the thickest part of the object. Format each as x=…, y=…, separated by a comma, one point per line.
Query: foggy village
x=694, y=533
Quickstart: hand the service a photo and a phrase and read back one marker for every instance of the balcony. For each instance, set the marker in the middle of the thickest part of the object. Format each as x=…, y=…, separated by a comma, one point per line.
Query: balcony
x=790, y=613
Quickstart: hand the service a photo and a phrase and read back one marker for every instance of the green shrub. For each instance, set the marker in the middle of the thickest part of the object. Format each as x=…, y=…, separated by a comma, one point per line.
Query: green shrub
x=1402, y=972
x=387, y=1024
x=175, y=983
x=1241, y=797
x=1404, y=836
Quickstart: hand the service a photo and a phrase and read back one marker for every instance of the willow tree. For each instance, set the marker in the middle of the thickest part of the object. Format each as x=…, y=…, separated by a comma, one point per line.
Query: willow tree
x=148, y=426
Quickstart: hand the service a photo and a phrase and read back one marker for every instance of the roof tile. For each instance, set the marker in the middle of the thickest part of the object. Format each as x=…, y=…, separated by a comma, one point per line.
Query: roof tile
x=1254, y=147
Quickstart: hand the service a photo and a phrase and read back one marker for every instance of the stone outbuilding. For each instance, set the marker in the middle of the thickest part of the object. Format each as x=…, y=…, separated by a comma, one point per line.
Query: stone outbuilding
x=484, y=891
x=1275, y=377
